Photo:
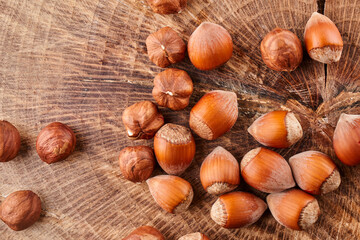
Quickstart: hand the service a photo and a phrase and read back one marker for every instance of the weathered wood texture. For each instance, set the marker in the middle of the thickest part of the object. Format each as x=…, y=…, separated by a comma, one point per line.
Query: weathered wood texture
x=82, y=62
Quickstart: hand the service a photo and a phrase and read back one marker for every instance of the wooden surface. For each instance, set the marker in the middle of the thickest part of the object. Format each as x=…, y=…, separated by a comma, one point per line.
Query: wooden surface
x=82, y=62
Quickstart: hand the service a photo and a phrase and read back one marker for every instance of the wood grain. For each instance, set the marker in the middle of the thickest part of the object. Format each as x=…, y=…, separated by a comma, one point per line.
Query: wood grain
x=82, y=62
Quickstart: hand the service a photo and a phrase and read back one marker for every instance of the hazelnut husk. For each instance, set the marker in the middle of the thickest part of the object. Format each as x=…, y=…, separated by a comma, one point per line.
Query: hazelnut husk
x=142, y=120
x=165, y=47
x=281, y=50
x=9, y=141
x=167, y=6
x=172, y=89
x=137, y=163
x=20, y=209
x=145, y=233
x=55, y=142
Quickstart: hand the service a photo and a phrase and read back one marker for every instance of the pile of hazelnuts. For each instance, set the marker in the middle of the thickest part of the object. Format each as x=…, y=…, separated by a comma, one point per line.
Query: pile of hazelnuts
x=210, y=46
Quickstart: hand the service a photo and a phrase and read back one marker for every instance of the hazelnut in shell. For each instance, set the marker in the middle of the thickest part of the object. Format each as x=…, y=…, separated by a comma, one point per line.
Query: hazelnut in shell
x=209, y=46
x=9, y=141
x=172, y=89
x=55, y=142
x=165, y=47
x=20, y=209
x=137, y=163
x=142, y=120
x=167, y=6
x=145, y=233
x=194, y=236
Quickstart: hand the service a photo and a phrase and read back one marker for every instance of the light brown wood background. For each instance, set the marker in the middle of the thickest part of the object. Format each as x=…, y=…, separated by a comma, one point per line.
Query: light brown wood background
x=82, y=62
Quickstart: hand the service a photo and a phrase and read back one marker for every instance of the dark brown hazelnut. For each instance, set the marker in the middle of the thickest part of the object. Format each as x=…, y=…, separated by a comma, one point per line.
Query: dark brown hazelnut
x=145, y=233
x=281, y=50
x=167, y=6
x=20, y=209
x=55, y=142
x=9, y=141
x=137, y=163
x=165, y=47
x=142, y=120
x=172, y=89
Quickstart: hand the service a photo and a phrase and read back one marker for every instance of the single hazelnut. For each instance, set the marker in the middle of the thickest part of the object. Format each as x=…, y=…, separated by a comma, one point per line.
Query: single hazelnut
x=322, y=39
x=214, y=114
x=137, y=163
x=220, y=172
x=9, y=141
x=209, y=46
x=279, y=129
x=237, y=209
x=171, y=193
x=174, y=148
x=55, y=142
x=167, y=6
x=194, y=236
x=281, y=50
x=145, y=233
x=266, y=170
x=20, y=209
x=142, y=120
x=347, y=138
x=165, y=47
x=294, y=208
x=172, y=89
x=315, y=172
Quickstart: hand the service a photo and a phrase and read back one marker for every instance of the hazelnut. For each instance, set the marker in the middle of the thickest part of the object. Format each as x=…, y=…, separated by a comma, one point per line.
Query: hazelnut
x=294, y=208
x=137, y=163
x=167, y=6
x=145, y=233
x=279, y=129
x=322, y=39
x=165, y=47
x=55, y=142
x=347, y=138
x=209, y=46
x=9, y=141
x=214, y=114
x=315, y=172
x=142, y=120
x=281, y=50
x=194, y=236
x=172, y=89
x=171, y=193
x=266, y=170
x=174, y=148
x=220, y=172
x=20, y=209
x=237, y=209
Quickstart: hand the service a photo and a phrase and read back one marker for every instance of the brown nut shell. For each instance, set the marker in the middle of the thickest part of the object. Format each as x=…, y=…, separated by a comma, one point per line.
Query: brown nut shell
x=55, y=142
x=322, y=39
x=315, y=172
x=167, y=6
x=347, y=138
x=172, y=89
x=279, y=129
x=137, y=163
x=9, y=141
x=145, y=233
x=20, y=209
x=142, y=120
x=209, y=46
x=266, y=170
x=220, y=172
x=194, y=236
x=294, y=208
x=174, y=148
x=214, y=114
x=281, y=50
x=165, y=47
x=171, y=193
x=237, y=209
